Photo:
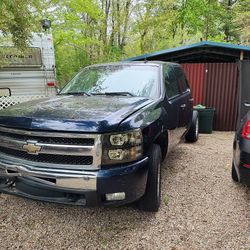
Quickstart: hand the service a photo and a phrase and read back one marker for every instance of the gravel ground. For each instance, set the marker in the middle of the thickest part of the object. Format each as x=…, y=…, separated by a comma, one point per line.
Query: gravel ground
x=201, y=209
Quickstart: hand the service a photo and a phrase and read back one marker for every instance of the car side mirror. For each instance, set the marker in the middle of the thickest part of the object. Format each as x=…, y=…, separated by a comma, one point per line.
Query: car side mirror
x=247, y=104
x=57, y=89
x=5, y=92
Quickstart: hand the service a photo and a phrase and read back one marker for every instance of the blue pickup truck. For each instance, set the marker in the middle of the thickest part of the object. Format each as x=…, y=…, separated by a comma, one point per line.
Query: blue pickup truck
x=102, y=139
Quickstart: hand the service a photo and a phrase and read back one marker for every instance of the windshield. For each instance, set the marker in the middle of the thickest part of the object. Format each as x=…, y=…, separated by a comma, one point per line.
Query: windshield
x=137, y=80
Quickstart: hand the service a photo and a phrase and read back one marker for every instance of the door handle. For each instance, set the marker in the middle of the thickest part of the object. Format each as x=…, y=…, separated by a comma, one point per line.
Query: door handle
x=247, y=104
x=191, y=99
x=183, y=105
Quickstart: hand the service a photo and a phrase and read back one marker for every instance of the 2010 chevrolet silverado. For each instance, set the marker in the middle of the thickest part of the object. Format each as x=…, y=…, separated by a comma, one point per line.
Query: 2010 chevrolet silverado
x=102, y=139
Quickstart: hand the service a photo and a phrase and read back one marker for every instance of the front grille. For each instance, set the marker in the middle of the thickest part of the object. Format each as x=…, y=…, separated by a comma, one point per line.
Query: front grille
x=60, y=150
x=48, y=158
x=50, y=140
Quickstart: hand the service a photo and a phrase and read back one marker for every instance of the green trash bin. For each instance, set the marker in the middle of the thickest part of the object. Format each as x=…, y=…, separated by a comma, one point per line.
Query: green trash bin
x=206, y=118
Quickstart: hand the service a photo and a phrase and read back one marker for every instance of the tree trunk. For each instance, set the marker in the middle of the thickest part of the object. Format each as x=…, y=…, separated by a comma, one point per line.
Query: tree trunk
x=126, y=19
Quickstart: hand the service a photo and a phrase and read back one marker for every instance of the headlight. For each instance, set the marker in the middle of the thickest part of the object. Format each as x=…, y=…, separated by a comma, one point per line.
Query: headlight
x=119, y=139
x=122, y=147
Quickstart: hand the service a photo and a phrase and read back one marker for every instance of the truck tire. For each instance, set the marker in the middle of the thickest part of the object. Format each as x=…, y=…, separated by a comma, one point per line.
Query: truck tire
x=193, y=133
x=234, y=173
x=151, y=200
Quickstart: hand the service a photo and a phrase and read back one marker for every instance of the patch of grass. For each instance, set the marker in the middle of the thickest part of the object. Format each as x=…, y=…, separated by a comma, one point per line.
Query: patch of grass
x=166, y=199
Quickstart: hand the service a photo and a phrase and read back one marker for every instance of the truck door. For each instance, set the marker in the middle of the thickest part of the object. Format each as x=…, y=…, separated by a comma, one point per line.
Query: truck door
x=186, y=100
x=173, y=102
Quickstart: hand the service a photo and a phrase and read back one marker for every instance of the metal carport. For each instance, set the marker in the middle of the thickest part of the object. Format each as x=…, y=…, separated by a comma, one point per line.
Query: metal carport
x=218, y=74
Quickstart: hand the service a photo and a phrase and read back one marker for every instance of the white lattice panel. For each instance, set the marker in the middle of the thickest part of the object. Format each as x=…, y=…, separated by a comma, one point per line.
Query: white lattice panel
x=13, y=100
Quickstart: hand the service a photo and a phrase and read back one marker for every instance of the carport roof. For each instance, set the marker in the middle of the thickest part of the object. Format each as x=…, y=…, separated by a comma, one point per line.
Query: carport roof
x=199, y=52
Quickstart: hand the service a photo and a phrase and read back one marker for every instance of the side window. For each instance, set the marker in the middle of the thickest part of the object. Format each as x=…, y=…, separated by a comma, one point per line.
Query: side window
x=5, y=92
x=171, y=84
x=182, y=80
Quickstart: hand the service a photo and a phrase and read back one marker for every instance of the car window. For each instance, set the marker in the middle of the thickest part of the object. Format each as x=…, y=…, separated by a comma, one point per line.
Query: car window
x=182, y=80
x=139, y=80
x=171, y=84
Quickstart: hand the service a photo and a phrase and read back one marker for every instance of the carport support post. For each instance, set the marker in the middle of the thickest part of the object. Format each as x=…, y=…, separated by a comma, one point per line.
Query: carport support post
x=241, y=55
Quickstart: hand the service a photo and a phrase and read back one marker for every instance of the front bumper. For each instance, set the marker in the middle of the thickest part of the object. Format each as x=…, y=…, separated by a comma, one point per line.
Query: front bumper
x=86, y=188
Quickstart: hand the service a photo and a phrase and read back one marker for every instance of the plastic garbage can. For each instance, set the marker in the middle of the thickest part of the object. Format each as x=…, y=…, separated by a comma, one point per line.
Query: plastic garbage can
x=206, y=118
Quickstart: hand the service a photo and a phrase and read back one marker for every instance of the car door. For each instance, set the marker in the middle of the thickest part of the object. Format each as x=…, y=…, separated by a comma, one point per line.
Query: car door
x=172, y=104
x=186, y=100
x=244, y=88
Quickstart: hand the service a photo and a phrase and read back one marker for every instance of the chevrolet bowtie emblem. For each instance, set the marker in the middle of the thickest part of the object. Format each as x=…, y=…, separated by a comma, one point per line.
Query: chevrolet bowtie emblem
x=32, y=148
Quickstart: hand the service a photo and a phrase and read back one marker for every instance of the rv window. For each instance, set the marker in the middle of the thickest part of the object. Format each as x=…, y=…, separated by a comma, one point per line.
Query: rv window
x=5, y=92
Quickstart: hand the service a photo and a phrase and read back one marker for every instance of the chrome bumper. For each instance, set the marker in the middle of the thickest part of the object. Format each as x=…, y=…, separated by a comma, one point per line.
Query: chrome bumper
x=80, y=180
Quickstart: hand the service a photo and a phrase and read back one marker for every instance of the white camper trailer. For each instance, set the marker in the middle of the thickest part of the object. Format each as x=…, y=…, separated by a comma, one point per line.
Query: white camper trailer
x=29, y=74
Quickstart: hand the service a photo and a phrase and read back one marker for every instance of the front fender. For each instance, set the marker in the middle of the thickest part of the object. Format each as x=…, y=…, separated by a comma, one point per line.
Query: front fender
x=151, y=119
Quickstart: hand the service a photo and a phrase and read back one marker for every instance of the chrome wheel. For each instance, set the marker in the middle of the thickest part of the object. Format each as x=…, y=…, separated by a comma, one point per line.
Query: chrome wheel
x=159, y=181
x=197, y=128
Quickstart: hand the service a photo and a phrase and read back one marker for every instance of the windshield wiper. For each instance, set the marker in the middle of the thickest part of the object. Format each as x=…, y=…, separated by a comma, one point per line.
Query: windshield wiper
x=114, y=93
x=76, y=93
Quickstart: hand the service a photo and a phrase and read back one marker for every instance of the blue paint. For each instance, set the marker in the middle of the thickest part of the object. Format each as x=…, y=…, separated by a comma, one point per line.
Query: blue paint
x=73, y=113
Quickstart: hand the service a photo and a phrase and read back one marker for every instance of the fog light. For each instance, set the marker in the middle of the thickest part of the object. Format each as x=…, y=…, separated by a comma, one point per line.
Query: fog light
x=115, y=196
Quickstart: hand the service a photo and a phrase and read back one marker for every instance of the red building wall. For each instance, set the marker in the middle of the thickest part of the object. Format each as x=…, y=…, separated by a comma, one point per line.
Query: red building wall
x=216, y=85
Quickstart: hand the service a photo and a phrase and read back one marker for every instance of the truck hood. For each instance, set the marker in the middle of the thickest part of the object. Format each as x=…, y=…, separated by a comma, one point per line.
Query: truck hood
x=72, y=113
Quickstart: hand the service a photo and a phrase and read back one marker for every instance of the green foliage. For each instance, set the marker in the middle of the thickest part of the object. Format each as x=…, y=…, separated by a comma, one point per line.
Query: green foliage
x=75, y=36
x=201, y=16
x=19, y=18
x=242, y=21
x=94, y=31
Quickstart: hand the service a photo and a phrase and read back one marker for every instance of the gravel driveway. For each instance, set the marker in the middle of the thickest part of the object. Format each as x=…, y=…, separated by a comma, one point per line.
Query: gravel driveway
x=201, y=209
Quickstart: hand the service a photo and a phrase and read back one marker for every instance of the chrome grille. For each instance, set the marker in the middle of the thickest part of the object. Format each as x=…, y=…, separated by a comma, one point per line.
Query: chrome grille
x=52, y=140
x=59, y=150
x=47, y=158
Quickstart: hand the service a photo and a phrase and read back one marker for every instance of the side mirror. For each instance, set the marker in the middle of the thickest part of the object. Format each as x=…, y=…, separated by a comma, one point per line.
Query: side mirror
x=247, y=104
x=5, y=92
x=57, y=89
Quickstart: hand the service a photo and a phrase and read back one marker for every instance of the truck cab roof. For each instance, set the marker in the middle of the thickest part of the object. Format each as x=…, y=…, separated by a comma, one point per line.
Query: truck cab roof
x=149, y=63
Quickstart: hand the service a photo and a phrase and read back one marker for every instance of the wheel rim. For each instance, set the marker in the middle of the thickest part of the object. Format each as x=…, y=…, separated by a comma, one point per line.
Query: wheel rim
x=197, y=128
x=158, y=181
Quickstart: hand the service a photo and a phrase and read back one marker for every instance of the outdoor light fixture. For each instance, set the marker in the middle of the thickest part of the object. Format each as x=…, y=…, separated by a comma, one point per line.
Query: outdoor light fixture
x=46, y=24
